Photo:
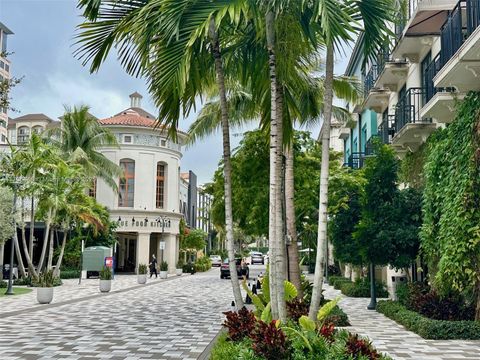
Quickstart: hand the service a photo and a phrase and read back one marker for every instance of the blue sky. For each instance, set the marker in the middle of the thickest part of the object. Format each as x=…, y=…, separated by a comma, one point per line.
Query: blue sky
x=42, y=46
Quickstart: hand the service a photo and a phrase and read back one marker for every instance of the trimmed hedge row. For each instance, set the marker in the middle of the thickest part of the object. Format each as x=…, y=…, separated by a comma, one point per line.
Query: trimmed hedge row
x=361, y=288
x=429, y=328
x=69, y=274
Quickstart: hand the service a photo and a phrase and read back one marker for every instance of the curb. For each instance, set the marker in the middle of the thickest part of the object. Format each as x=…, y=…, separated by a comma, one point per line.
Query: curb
x=205, y=355
x=74, y=301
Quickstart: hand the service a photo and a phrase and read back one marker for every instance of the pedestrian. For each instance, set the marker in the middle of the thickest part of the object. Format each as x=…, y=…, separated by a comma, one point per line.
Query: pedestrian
x=153, y=266
x=243, y=269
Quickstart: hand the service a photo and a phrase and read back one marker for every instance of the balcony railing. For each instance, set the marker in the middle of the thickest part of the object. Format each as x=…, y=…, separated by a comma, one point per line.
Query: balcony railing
x=356, y=160
x=460, y=24
x=408, y=108
x=370, y=80
x=430, y=71
x=386, y=129
x=406, y=11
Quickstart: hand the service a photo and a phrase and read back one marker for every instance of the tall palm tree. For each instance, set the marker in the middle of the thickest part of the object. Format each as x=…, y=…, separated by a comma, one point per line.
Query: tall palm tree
x=340, y=21
x=177, y=47
x=79, y=137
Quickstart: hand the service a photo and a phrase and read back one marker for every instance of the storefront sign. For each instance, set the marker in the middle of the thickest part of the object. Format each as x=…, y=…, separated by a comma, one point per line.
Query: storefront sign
x=109, y=261
x=144, y=224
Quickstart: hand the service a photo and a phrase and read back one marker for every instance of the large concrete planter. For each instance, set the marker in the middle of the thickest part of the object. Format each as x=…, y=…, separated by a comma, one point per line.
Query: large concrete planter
x=142, y=278
x=105, y=285
x=163, y=274
x=179, y=272
x=44, y=295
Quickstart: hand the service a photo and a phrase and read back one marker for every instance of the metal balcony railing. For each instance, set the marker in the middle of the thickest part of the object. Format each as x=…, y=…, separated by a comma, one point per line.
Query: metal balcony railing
x=407, y=110
x=460, y=24
x=370, y=80
x=386, y=129
x=356, y=160
x=430, y=71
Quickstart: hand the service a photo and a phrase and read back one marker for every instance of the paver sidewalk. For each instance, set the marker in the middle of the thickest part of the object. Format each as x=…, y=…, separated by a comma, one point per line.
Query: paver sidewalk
x=70, y=290
x=389, y=337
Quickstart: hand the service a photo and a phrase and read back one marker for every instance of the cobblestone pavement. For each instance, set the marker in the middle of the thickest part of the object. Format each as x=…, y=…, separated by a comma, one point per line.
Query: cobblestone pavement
x=394, y=340
x=173, y=319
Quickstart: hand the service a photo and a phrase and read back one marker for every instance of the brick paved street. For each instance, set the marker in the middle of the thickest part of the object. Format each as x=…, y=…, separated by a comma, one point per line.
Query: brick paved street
x=391, y=338
x=172, y=319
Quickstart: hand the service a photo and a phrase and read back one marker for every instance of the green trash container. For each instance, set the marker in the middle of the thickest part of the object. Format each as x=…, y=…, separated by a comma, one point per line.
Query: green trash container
x=93, y=259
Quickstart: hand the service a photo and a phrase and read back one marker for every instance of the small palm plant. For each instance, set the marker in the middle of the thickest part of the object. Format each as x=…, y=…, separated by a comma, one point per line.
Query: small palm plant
x=45, y=279
x=105, y=273
x=142, y=269
x=163, y=266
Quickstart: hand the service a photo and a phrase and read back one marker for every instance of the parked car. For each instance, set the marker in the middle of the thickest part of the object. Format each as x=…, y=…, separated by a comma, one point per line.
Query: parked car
x=257, y=258
x=216, y=260
x=225, y=270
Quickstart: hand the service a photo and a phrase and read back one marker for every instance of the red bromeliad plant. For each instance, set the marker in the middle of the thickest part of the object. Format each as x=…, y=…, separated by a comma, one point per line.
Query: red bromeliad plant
x=327, y=331
x=357, y=346
x=296, y=308
x=239, y=324
x=270, y=341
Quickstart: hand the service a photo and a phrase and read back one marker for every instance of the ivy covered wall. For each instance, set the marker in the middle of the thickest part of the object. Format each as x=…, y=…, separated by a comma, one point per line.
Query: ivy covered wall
x=451, y=202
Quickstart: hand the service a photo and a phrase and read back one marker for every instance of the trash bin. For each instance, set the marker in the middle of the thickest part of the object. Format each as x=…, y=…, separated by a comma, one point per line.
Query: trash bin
x=93, y=259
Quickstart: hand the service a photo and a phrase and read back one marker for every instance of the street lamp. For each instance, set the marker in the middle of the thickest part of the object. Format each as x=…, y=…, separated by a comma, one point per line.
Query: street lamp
x=163, y=220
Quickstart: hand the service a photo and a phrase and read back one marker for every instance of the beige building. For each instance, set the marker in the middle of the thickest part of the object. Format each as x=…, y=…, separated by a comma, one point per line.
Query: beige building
x=20, y=128
x=4, y=76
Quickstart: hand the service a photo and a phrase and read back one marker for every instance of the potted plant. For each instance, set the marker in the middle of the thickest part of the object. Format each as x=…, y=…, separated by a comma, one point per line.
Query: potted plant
x=179, y=268
x=142, y=274
x=105, y=279
x=44, y=286
x=163, y=270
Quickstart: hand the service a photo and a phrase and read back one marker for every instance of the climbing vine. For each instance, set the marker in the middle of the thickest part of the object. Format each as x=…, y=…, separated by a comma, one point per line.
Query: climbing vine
x=411, y=168
x=451, y=202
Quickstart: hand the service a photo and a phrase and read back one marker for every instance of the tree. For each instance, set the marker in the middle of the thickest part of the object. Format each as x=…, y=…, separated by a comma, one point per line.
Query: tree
x=79, y=139
x=339, y=22
x=6, y=219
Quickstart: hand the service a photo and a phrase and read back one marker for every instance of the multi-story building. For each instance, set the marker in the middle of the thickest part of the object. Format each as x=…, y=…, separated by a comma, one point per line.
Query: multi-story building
x=4, y=76
x=204, y=222
x=20, y=128
x=412, y=87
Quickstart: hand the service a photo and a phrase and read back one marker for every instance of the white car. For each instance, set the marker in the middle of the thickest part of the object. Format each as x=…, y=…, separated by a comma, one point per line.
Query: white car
x=216, y=260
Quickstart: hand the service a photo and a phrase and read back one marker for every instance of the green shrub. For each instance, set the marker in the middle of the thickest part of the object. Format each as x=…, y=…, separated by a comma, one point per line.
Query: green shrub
x=226, y=350
x=45, y=279
x=180, y=264
x=163, y=266
x=361, y=288
x=189, y=268
x=203, y=264
x=429, y=328
x=403, y=293
x=69, y=274
x=337, y=281
x=142, y=269
x=3, y=284
x=105, y=273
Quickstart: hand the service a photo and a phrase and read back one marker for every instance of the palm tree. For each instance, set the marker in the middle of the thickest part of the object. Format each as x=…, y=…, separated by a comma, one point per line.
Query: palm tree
x=339, y=22
x=176, y=46
x=79, y=138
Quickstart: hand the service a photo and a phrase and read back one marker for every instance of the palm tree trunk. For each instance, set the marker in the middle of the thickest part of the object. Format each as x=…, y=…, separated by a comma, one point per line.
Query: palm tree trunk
x=60, y=256
x=323, y=199
x=50, y=250
x=293, y=262
x=227, y=165
x=272, y=233
x=2, y=252
x=45, y=241
x=32, y=228
x=18, y=253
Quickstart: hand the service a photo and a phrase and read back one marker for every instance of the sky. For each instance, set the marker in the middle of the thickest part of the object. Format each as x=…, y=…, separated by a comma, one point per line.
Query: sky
x=42, y=53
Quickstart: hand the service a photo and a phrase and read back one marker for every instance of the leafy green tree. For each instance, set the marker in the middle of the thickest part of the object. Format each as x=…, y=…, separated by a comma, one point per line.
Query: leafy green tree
x=6, y=219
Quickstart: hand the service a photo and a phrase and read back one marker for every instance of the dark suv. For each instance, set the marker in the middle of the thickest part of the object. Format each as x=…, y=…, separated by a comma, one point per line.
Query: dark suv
x=225, y=270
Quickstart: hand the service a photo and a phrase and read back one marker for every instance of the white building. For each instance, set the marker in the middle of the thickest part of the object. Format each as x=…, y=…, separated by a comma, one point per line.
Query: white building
x=4, y=76
x=147, y=205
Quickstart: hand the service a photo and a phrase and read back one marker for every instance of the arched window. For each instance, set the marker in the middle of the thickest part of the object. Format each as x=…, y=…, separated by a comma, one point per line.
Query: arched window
x=37, y=129
x=23, y=134
x=127, y=183
x=160, y=194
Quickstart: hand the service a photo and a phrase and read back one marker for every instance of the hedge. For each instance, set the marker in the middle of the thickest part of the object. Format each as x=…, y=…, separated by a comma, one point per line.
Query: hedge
x=69, y=274
x=361, y=288
x=429, y=328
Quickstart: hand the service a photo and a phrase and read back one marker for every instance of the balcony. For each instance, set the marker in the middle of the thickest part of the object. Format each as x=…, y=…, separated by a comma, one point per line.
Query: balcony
x=376, y=99
x=386, y=129
x=356, y=160
x=439, y=102
x=411, y=130
x=344, y=133
x=421, y=18
x=460, y=40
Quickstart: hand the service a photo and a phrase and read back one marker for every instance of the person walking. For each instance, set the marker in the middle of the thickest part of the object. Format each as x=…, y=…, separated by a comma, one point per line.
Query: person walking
x=153, y=266
x=243, y=269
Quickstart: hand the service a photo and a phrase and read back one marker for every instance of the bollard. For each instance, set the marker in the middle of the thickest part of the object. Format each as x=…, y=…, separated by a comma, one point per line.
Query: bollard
x=233, y=305
x=254, y=289
x=259, y=285
x=248, y=301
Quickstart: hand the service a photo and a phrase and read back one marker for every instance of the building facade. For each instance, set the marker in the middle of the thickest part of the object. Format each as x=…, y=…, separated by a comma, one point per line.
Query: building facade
x=4, y=76
x=412, y=87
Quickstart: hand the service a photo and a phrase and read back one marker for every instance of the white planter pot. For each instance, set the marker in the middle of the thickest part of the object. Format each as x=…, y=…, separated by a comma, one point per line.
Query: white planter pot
x=105, y=285
x=44, y=295
x=142, y=278
x=179, y=272
x=163, y=274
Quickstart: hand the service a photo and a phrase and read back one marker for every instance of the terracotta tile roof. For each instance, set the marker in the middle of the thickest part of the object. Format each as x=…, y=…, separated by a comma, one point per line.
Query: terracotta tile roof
x=129, y=119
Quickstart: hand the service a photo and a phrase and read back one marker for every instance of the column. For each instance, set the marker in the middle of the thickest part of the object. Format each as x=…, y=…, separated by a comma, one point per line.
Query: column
x=143, y=249
x=170, y=253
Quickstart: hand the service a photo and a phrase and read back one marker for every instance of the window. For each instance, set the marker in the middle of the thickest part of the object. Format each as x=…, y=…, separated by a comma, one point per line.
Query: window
x=37, y=129
x=127, y=183
x=160, y=194
x=423, y=68
x=23, y=134
x=127, y=139
x=163, y=142
x=92, y=192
